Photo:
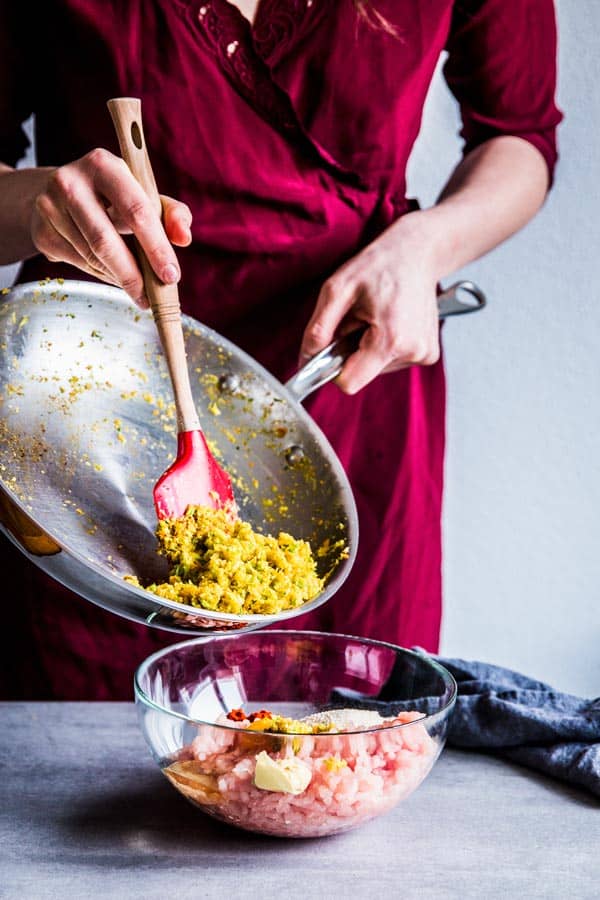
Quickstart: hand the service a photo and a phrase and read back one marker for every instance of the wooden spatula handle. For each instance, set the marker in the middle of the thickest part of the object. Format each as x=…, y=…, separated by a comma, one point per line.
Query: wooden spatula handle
x=126, y=113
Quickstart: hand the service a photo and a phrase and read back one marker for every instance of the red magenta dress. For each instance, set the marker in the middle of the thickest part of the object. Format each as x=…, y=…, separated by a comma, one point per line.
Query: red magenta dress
x=289, y=140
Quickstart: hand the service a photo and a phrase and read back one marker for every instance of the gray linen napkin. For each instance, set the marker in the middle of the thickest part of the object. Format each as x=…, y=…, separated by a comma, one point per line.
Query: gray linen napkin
x=526, y=721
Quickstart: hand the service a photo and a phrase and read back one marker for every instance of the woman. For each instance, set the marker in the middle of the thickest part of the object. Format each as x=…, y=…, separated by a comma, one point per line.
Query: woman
x=284, y=141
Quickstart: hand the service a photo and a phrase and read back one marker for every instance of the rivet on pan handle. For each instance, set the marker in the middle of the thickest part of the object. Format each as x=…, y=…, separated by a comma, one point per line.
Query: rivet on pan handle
x=328, y=363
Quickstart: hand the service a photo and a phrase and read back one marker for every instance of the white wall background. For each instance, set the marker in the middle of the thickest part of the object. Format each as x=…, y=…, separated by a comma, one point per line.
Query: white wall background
x=522, y=510
x=522, y=507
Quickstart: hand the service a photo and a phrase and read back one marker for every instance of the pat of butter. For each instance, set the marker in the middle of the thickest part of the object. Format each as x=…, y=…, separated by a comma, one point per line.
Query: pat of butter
x=288, y=776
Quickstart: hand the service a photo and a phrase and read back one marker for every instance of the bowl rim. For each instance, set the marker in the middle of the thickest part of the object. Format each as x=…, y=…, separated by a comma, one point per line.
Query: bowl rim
x=422, y=655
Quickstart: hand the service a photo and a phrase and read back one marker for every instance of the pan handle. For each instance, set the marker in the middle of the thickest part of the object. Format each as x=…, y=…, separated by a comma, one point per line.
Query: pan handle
x=328, y=363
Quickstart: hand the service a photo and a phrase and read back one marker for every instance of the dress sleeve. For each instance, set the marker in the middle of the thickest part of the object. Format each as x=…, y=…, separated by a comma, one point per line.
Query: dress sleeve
x=501, y=68
x=16, y=78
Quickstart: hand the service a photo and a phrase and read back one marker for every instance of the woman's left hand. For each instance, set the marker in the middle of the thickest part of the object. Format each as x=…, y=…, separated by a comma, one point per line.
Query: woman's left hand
x=390, y=286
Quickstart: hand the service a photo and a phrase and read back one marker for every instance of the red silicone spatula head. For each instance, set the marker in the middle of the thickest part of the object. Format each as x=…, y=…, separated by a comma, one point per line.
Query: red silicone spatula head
x=195, y=477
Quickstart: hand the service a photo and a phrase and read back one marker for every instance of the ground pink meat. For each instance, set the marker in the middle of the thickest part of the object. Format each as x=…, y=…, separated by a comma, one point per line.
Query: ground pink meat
x=382, y=767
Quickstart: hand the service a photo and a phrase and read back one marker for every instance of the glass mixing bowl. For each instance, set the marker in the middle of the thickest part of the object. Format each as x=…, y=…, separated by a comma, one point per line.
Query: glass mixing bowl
x=293, y=784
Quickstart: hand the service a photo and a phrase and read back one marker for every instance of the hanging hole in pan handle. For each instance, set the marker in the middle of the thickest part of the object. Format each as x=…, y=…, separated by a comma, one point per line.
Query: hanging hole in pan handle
x=136, y=135
x=460, y=298
x=457, y=300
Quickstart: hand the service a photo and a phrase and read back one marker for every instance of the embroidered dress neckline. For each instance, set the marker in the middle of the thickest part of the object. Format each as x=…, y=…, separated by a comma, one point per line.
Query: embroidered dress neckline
x=239, y=53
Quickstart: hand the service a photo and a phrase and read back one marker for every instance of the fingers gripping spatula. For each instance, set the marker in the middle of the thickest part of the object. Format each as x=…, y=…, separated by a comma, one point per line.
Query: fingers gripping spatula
x=195, y=477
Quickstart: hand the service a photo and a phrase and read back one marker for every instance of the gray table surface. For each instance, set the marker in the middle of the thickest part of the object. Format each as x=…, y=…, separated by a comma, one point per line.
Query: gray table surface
x=85, y=813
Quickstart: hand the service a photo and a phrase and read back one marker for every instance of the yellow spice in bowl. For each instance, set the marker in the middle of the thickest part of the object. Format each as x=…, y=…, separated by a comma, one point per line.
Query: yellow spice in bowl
x=218, y=562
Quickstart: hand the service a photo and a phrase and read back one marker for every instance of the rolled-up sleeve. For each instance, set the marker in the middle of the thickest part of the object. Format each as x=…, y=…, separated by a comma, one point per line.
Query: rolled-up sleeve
x=17, y=55
x=501, y=67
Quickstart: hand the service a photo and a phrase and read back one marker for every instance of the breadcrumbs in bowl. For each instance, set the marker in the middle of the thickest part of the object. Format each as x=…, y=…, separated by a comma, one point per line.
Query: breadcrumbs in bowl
x=330, y=731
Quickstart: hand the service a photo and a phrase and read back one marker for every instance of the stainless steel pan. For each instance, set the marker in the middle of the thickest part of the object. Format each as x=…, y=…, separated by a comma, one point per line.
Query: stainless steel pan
x=87, y=422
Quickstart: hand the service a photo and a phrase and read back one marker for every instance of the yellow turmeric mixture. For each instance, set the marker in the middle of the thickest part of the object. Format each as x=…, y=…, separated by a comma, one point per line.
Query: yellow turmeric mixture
x=218, y=562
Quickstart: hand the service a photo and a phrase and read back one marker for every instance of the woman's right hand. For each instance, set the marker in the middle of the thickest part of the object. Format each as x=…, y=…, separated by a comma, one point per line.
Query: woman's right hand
x=87, y=205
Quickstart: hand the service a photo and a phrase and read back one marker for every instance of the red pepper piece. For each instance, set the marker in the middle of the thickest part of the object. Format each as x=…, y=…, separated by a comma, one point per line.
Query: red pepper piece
x=260, y=714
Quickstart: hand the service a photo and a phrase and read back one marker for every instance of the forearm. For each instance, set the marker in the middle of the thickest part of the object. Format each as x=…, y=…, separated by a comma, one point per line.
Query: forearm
x=491, y=194
x=18, y=190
